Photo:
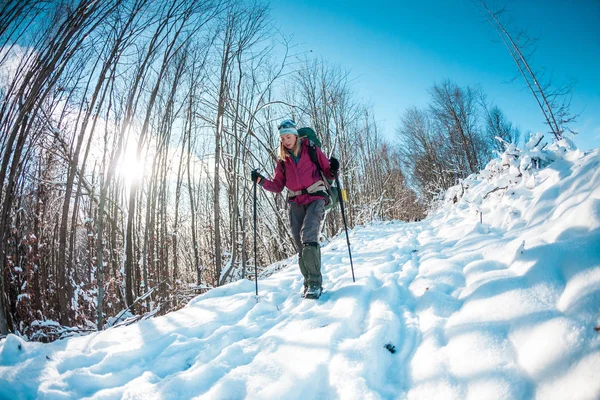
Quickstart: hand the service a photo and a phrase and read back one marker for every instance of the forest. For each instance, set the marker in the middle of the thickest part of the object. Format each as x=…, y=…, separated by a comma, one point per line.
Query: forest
x=129, y=129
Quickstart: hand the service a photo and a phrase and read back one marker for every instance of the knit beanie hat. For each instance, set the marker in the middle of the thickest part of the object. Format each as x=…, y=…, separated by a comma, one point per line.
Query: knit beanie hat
x=287, y=127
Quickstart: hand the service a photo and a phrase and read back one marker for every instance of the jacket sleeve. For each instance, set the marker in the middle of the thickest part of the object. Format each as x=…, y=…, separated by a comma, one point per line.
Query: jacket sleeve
x=324, y=163
x=278, y=182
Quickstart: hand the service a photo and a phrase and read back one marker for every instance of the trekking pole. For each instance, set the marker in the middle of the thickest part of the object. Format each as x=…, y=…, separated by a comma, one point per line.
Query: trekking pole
x=255, y=270
x=337, y=182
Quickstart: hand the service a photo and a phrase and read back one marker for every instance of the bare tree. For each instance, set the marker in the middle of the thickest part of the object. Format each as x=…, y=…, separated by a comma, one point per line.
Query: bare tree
x=424, y=154
x=243, y=28
x=553, y=101
x=455, y=110
x=500, y=131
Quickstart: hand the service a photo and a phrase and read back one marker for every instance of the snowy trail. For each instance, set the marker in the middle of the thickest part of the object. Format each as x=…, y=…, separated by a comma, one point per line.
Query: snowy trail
x=333, y=340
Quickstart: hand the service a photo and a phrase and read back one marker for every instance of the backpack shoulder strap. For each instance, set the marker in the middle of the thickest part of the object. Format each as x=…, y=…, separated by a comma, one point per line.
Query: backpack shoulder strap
x=312, y=152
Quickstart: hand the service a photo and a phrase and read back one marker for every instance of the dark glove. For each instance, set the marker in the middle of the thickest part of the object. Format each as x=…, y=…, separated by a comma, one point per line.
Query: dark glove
x=334, y=164
x=257, y=177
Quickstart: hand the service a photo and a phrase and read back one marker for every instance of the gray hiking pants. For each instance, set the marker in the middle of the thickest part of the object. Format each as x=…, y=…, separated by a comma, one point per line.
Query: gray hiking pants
x=305, y=220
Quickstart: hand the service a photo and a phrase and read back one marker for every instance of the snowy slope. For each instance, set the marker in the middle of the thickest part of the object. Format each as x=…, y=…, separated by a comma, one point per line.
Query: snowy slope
x=503, y=309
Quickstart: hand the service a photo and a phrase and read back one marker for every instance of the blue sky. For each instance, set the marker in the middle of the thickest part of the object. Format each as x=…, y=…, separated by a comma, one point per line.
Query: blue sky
x=397, y=50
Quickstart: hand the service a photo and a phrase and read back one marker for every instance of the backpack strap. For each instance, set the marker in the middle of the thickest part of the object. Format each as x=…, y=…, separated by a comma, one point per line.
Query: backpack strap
x=312, y=152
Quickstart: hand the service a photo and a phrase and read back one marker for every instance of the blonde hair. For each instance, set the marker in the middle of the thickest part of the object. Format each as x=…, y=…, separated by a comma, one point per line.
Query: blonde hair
x=283, y=151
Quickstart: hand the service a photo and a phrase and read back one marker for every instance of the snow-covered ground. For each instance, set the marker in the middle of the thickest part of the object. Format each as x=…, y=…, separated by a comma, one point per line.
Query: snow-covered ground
x=446, y=308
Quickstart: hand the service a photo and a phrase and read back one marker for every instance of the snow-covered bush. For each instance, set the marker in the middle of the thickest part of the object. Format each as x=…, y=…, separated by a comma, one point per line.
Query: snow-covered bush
x=514, y=168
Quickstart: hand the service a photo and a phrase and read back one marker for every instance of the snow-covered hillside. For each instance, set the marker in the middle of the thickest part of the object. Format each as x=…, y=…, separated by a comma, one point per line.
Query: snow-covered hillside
x=446, y=308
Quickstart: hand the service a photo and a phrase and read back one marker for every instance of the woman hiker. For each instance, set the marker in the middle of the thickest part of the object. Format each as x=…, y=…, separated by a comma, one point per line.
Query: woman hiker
x=307, y=196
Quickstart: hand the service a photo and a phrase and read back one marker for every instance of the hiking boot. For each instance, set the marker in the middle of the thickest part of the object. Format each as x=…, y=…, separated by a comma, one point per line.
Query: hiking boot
x=313, y=292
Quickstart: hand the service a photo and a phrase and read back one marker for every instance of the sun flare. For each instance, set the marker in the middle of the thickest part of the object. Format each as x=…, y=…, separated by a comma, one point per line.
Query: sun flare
x=130, y=168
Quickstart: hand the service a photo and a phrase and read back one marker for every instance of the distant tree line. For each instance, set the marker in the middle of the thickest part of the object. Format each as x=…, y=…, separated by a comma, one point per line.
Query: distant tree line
x=128, y=129
x=455, y=136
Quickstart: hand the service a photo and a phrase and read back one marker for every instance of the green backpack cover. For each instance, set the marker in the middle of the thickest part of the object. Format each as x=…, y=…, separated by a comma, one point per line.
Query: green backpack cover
x=310, y=134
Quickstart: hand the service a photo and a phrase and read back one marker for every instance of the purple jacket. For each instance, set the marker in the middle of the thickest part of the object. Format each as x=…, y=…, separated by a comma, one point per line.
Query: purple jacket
x=299, y=176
